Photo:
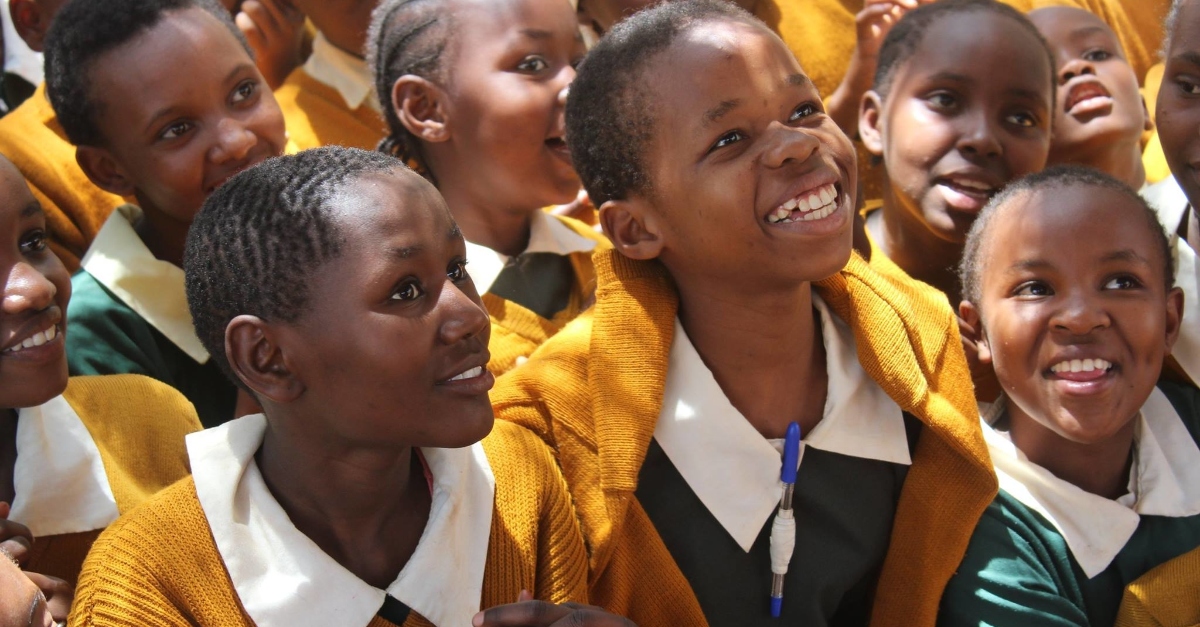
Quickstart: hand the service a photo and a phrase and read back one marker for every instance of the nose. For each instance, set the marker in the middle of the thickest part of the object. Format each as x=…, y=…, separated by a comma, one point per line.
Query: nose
x=978, y=136
x=233, y=141
x=565, y=77
x=1079, y=315
x=463, y=316
x=1073, y=68
x=789, y=145
x=26, y=289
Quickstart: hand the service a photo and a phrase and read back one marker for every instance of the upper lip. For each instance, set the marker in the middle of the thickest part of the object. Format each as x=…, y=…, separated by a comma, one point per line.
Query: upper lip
x=972, y=177
x=225, y=173
x=40, y=322
x=474, y=360
x=806, y=183
x=1083, y=88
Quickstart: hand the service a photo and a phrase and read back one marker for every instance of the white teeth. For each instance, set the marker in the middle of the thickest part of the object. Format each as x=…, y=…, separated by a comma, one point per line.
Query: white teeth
x=972, y=185
x=37, y=339
x=1081, y=365
x=470, y=374
x=827, y=195
x=789, y=205
x=811, y=206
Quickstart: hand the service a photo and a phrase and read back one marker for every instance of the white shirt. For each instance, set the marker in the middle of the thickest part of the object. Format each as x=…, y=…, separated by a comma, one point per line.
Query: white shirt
x=344, y=72
x=120, y=261
x=282, y=578
x=59, y=476
x=731, y=467
x=547, y=234
x=1165, y=481
x=1172, y=206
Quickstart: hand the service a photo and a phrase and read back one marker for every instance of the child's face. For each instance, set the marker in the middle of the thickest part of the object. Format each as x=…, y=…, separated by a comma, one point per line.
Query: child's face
x=1074, y=275
x=739, y=135
x=183, y=109
x=1098, y=98
x=506, y=95
x=392, y=320
x=1178, y=115
x=343, y=22
x=33, y=362
x=968, y=112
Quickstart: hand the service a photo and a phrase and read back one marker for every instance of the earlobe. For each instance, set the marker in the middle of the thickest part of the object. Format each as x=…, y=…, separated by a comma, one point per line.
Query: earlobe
x=633, y=230
x=256, y=358
x=420, y=106
x=1149, y=125
x=1175, y=305
x=970, y=325
x=100, y=167
x=869, y=112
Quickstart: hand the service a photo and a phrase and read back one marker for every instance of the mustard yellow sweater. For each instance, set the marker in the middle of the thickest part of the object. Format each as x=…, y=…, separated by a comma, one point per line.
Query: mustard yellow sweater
x=316, y=115
x=1168, y=596
x=594, y=391
x=517, y=331
x=138, y=425
x=159, y=564
x=31, y=137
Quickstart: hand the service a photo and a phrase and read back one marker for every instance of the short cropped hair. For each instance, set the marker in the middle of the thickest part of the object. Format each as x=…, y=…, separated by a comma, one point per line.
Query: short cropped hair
x=610, y=120
x=86, y=29
x=906, y=36
x=261, y=235
x=970, y=269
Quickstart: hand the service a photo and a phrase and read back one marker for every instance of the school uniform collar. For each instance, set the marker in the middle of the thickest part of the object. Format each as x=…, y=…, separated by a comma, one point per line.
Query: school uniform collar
x=1171, y=204
x=283, y=578
x=153, y=288
x=346, y=73
x=547, y=234
x=61, y=486
x=731, y=467
x=1165, y=481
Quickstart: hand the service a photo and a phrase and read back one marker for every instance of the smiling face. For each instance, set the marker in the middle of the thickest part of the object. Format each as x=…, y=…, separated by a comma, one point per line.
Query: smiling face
x=505, y=100
x=752, y=183
x=201, y=114
x=1178, y=113
x=1098, y=99
x=393, y=347
x=1077, y=333
x=968, y=112
x=33, y=361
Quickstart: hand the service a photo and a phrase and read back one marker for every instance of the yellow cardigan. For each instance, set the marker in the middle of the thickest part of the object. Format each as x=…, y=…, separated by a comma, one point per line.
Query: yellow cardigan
x=160, y=565
x=138, y=424
x=1164, y=597
x=594, y=392
x=31, y=137
x=517, y=331
x=316, y=115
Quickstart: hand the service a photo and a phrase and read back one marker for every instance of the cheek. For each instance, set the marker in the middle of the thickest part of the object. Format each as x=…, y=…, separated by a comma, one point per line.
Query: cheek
x=268, y=125
x=1178, y=123
x=1027, y=153
x=917, y=138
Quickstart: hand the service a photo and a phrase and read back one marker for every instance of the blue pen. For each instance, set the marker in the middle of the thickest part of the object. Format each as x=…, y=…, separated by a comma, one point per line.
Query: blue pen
x=783, y=530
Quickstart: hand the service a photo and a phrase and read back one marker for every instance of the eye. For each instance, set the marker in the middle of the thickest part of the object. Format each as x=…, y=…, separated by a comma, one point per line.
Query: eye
x=728, y=139
x=34, y=242
x=244, y=91
x=1034, y=289
x=803, y=111
x=1123, y=282
x=1187, y=86
x=1097, y=54
x=408, y=291
x=575, y=62
x=1023, y=118
x=533, y=63
x=942, y=100
x=175, y=130
x=458, y=272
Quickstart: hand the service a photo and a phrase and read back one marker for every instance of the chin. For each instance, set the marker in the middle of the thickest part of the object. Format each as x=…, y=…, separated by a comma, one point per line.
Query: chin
x=18, y=394
x=469, y=427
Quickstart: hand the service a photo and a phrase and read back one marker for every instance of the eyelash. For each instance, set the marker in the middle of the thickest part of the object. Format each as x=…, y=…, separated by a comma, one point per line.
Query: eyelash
x=803, y=111
x=1091, y=55
x=34, y=242
x=457, y=272
x=527, y=61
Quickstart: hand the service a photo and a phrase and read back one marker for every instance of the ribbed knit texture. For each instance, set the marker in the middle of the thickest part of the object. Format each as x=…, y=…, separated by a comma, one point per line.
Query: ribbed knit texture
x=316, y=115
x=595, y=390
x=517, y=331
x=139, y=425
x=159, y=565
x=31, y=137
x=1168, y=596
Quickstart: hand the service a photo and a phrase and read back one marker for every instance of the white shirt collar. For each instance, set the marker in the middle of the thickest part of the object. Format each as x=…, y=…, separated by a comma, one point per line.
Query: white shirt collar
x=1166, y=482
x=344, y=72
x=59, y=476
x=731, y=467
x=547, y=234
x=283, y=578
x=1168, y=199
x=153, y=288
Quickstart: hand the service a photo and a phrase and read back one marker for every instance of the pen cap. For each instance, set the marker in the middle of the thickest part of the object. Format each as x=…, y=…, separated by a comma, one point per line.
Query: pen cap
x=791, y=453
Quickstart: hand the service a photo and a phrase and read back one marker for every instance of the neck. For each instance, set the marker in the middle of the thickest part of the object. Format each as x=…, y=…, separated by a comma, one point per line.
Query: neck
x=364, y=508
x=1121, y=160
x=763, y=348
x=8, y=454
x=165, y=236
x=502, y=229
x=910, y=245
x=1100, y=468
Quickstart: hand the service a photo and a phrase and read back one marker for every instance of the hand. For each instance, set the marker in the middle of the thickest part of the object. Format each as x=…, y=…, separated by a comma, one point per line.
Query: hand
x=16, y=541
x=58, y=593
x=527, y=613
x=275, y=30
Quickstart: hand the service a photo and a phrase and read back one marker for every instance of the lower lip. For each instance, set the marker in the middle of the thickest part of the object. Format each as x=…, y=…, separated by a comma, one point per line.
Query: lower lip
x=1092, y=106
x=471, y=387
x=562, y=152
x=1083, y=383
x=48, y=352
x=963, y=200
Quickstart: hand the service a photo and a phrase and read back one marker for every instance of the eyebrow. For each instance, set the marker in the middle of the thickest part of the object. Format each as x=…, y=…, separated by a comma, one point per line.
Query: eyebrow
x=716, y=113
x=1126, y=255
x=32, y=209
x=407, y=252
x=1088, y=30
x=534, y=33
x=1028, y=264
x=1190, y=56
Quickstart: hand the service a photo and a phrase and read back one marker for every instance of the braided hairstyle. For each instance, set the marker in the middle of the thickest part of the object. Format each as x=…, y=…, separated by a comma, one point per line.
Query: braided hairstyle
x=407, y=37
x=82, y=32
x=261, y=235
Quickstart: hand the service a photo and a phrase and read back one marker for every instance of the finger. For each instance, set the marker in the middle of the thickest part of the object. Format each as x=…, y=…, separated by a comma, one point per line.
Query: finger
x=873, y=13
x=16, y=549
x=59, y=594
x=5, y=508
x=526, y=614
x=254, y=36
x=524, y=596
x=290, y=12
x=257, y=11
x=592, y=617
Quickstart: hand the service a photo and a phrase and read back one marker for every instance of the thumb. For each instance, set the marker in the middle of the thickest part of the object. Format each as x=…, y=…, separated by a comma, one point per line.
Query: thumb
x=5, y=508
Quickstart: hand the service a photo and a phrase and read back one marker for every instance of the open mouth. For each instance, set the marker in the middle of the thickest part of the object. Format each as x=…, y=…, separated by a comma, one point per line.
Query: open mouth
x=468, y=374
x=811, y=205
x=1087, y=97
x=967, y=194
x=558, y=147
x=40, y=338
x=1081, y=370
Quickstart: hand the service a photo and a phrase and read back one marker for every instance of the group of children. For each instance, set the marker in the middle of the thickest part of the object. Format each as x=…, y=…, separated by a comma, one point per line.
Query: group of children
x=331, y=355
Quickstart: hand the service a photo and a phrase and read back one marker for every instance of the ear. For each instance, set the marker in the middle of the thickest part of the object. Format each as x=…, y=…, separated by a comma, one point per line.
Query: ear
x=971, y=326
x=30, y=22
x=257, y=359
x=634, y=230
x=102, y=168
x=1149, y=125
x=421, y=107
x=870, y=112
x=1175, y=306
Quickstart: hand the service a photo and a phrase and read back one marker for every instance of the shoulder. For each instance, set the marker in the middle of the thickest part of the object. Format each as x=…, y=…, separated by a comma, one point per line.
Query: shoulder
x=1185, y=399
x=559, y=366
x=514, y=452
x=137, y=403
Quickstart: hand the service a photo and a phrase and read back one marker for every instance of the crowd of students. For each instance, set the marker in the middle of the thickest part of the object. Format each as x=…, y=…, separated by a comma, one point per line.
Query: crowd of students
x=602, y=312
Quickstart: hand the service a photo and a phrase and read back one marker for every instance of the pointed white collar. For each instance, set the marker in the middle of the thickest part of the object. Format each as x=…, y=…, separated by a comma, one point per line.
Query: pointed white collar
x=121, y=262
x=59, y=476
x=547, y=234
x=731, y=467
x=283, y=578
x=1164, y=482
x=347, y=74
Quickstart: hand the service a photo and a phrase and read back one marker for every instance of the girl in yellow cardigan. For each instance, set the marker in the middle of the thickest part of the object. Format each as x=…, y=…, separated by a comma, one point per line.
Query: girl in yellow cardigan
x=331, y=285
x=74, y=453
x=473, y=94
x=732, y=306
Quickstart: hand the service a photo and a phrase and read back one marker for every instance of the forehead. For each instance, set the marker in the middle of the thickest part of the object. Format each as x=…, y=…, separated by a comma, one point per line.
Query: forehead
x=519, y=18
x=984, y=48
x=1065, y=26
x=15, y=197
x=1185, y=36
x=390, y=209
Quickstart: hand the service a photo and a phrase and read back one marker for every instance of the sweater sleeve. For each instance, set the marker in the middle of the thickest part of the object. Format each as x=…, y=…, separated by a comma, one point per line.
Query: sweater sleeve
x=562, y=559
